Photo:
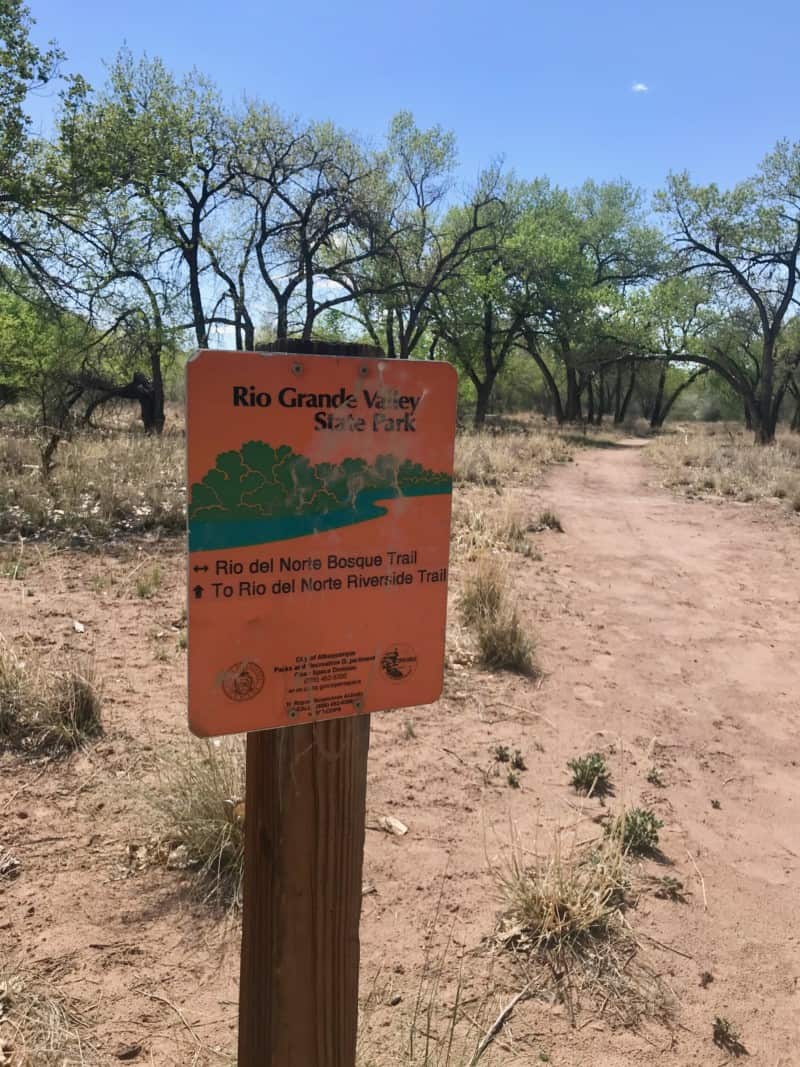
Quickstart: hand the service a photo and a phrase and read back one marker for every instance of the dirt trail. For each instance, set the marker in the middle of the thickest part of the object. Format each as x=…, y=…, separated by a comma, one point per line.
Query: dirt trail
x=668, y=631
x=675, y=626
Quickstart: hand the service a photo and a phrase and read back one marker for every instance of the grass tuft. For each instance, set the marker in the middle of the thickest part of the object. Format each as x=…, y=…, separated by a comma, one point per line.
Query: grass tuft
x=484, y=592
x=149, y=582
x=548, y=520
x=565, y=911
x=200, y=801
x=46, y=710
x=38, y=1026
x=503, y=643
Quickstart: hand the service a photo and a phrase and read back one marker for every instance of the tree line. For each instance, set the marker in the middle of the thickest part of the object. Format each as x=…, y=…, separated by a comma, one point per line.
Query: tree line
x=157, y=216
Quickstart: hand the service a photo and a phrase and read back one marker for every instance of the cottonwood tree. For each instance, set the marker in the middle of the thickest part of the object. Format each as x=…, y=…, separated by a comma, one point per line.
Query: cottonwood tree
x=165, y=143
x=23, y=67
x=307, y=193
x=746, y=242
x=419, y=243
x=476, y=314
x=589, y=248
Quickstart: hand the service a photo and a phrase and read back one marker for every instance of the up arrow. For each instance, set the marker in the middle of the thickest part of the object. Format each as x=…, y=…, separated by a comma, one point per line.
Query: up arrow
x=198, y=591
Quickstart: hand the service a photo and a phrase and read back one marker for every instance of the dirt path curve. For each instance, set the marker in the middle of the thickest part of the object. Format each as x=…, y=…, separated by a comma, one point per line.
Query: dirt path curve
x=674, y=625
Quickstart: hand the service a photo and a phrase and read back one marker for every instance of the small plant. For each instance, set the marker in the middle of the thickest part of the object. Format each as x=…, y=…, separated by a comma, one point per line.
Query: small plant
x=408, y=730
x=518, y=761
x=148, y=583
x=548, y=520
x=726, y=1037
x=501, y=754
x=513, y=778
x=706, y=978
x=669, y=888
x=200, y=801
x=716, y=805
x=590, y=774
x=183, y=640
x=637, y=829
x=654, y=777
x=13, y=569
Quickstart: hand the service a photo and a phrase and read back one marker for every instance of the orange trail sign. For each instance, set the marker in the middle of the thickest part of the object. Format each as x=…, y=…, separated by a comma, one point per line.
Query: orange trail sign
x=319, y=533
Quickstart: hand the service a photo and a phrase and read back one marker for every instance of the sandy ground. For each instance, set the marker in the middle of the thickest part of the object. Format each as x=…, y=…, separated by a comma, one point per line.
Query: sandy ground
x=668, y=632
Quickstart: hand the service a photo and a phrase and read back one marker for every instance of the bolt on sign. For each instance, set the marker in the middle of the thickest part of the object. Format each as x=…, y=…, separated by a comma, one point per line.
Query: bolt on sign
x=319, y=535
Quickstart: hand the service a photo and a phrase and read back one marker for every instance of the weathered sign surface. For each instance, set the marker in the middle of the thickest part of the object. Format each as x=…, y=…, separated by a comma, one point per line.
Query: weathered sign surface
x=319, y=530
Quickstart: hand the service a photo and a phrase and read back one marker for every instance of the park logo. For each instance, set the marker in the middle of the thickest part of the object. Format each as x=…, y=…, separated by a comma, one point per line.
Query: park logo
x=243, y=681
x=399, y=662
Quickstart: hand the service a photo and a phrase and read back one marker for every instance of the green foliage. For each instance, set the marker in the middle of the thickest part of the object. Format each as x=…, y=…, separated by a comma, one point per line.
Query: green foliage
x=41, y=354
x=638, y=829
x=590, y=773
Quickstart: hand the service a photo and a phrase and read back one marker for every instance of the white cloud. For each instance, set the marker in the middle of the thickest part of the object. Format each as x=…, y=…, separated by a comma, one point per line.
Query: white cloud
x=640, y=87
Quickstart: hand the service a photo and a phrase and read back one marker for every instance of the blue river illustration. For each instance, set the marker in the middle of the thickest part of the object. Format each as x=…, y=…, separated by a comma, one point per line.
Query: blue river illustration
x=262, y=493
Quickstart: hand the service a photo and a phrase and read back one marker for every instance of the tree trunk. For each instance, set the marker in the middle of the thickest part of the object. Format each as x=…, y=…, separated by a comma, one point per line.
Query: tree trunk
x=656, y=414
x=157, y=417
x=794, y=426
x=618, y=395
x=282, y=324
x=589, y=401
x=483, y=392
x=196, y=296
x=549, y=380
x=629, y=391
x=573, y=408
x=601, y=398
x=766, y=417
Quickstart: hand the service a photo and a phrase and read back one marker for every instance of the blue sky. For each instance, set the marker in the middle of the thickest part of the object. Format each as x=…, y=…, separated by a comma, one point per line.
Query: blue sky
x=548, y=87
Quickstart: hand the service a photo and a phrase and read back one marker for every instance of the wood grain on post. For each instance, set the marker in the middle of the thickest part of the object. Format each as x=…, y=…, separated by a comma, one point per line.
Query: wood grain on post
x=304, y=830
x=305, y=810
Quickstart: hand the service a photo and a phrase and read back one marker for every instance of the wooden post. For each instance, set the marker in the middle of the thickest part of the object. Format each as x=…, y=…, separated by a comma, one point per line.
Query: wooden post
x=305, y=810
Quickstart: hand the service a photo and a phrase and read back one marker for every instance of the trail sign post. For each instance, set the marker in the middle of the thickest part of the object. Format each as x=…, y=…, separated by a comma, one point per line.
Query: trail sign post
x=319, y=521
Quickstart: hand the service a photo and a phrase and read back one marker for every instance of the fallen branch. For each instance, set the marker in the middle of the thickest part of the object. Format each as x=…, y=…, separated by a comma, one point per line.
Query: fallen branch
x=498, y=1024
x=702, y=880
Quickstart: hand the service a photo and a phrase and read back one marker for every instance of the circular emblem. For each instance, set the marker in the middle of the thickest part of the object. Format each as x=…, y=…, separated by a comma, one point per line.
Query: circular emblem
x=398, y=662
x=243, y=681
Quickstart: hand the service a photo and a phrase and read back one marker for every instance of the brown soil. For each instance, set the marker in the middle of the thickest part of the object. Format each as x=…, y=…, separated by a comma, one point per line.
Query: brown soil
x=668, y=632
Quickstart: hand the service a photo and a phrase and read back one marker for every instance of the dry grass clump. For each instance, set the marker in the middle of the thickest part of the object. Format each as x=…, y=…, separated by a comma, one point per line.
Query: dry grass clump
x=477, y=529
x=502, y=459
x=38, y=1027
x=200, y=799
x=103, y=484
x=484, y=592
x=566, y=912
x=45, y=709
x=485, y=607
x=722, y=461
x=504, y=644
